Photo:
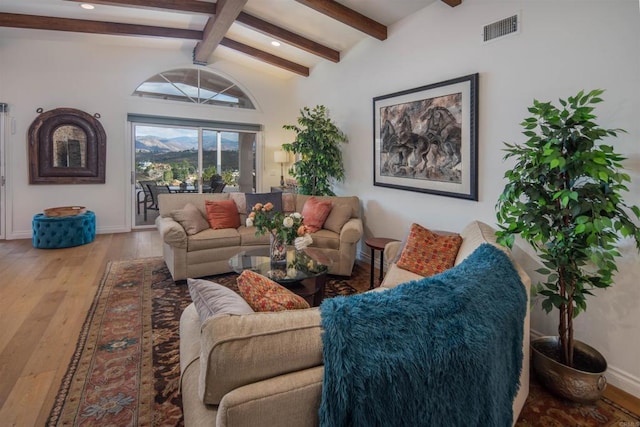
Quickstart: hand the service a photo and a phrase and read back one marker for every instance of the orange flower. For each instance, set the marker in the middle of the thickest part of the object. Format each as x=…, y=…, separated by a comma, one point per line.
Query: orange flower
x=257, y=207
x=252, y=215
x=268, y=206
x=302, y=230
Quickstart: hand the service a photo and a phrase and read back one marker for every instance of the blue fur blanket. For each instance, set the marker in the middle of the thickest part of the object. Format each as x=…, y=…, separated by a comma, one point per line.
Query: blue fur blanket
x=443, y=350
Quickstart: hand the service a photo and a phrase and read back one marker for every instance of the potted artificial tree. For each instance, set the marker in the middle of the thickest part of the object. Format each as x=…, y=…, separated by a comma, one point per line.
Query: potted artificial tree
x=564, y=197
x=318, y=145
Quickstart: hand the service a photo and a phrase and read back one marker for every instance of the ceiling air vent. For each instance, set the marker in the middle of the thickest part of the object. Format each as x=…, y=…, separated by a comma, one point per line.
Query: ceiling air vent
x=501, y=28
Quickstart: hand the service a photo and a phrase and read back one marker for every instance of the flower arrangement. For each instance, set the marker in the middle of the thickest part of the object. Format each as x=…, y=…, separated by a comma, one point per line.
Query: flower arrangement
x=285, y=228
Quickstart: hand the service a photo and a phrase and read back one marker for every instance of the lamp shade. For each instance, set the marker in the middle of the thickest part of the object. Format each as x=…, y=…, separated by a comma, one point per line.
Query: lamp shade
x=281, y=157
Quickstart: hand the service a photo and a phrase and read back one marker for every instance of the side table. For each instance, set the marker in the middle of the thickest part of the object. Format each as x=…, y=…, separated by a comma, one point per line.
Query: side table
x=377, y=244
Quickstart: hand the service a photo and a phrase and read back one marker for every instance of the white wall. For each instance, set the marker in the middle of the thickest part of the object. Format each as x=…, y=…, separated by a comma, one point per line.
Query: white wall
x=97, y=74
x=564, y=46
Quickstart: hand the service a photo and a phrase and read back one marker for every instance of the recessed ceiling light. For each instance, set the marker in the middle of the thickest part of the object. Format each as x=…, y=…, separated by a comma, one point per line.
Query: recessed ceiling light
x=87, y=6
x=275, y=43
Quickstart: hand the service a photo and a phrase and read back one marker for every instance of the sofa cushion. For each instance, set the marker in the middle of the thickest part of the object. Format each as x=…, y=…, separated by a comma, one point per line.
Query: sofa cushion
x=190, y=218
x=339, y=215
x=427, y=253
x=315, y=212
x=241, y=202
x=248, y=236
x=211, y=299
x=222, y=214
x=274, y=198
x=288, y=202
x=263, y=294
x=212, y=239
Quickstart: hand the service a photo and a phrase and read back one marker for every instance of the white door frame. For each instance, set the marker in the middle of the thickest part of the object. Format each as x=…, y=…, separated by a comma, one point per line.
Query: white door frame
x=3, y=172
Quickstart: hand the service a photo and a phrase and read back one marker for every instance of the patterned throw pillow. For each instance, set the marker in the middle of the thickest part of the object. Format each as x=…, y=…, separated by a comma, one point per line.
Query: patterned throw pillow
x=315, y=212
x=427, y=253
x=222, y=214
x=263, y=294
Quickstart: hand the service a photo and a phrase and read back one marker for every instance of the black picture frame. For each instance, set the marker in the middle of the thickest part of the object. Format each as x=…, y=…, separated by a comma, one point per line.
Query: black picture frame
x=67, y=146
x=426, y=139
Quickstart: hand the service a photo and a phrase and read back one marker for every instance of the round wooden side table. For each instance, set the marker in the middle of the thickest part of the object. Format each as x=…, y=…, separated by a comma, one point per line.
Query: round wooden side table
x=377, y=244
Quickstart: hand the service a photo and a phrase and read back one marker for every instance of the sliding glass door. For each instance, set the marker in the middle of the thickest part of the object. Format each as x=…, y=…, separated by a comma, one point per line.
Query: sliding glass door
x=184, y=159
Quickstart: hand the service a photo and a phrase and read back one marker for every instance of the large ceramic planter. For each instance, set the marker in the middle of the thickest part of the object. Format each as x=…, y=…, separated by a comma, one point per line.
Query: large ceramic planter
x=584, y=383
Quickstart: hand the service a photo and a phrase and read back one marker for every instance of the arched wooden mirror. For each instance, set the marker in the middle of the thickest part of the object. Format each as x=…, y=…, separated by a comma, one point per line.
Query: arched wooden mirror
x=67, y=146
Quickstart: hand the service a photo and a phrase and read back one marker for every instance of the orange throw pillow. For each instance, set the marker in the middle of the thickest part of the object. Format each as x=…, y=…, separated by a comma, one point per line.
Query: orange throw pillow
x=315, y=213
x=427, y=253
x=263, y=294
x=222, y=214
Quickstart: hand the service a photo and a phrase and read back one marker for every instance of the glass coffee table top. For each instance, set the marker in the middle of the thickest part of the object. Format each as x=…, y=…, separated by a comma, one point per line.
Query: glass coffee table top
x=300, y=265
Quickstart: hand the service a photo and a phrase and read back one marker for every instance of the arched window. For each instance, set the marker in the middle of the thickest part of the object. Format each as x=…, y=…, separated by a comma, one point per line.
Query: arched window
x=196, y=86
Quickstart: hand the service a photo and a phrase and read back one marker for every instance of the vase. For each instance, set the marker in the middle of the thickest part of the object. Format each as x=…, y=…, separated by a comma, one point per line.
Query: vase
x=277, y=250
x=584, y=383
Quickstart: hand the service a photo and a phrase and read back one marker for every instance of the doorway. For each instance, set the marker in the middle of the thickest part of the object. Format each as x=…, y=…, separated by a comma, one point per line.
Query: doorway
x=179, y=158
x=3, y=120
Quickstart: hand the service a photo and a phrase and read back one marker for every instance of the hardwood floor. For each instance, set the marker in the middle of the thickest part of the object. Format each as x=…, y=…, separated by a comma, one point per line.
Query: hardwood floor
x=44, y=299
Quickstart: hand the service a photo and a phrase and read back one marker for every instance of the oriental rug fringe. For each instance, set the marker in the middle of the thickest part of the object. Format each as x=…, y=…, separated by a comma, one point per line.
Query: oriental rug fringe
x=125, y=370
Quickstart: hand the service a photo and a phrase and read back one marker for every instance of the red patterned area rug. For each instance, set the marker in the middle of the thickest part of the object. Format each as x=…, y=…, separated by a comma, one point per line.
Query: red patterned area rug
x=543, y=409
x=125, y=370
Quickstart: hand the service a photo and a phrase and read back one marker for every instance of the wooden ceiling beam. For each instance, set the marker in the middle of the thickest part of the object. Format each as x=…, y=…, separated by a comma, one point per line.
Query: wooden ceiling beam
x=195, y=6
x=265, y=57
x=111, y=28
x=348, y=16
x=94, y=27
x=288, y=37
x=217, y=26
x=452, y=3
x=188, y=6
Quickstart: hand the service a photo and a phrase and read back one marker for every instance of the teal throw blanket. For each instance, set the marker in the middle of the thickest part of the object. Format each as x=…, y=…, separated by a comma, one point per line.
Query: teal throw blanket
x=441, y=351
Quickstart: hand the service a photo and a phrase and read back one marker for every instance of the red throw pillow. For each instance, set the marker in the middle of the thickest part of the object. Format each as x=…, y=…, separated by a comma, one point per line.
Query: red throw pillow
x=315, y=213
x=427, y=253
x=263, y=294
x=222, y=214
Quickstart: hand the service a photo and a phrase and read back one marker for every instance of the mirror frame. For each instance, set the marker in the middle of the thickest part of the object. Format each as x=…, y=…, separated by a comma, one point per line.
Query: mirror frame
x=41, y=148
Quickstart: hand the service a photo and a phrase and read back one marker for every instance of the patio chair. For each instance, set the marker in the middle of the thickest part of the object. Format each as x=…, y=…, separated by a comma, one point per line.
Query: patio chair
x=154, y=190
x=143, y=195
x=217, y=184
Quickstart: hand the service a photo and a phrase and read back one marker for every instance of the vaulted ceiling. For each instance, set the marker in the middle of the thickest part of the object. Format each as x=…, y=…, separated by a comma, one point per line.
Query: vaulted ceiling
x=309, y=31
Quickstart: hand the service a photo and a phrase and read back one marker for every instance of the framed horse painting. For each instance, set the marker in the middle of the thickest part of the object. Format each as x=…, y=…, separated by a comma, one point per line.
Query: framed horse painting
x=426, y=139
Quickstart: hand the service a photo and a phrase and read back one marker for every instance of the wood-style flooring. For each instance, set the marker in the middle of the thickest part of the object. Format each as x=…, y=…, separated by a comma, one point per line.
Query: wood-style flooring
x=44, y=298
x=45, y=295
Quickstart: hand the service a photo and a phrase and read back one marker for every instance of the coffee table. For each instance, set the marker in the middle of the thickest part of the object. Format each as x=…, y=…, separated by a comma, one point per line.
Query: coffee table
x=304, y=273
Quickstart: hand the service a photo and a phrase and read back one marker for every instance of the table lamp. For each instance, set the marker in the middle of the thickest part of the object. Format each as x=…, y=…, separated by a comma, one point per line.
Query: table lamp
x=281, y=157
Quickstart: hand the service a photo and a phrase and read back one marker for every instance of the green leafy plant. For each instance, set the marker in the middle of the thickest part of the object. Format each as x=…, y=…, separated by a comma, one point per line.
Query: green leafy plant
x=318, y=144
x=563, y=196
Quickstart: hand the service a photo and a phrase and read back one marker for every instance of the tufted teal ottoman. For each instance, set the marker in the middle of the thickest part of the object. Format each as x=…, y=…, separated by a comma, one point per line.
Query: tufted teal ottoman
x=63, y=232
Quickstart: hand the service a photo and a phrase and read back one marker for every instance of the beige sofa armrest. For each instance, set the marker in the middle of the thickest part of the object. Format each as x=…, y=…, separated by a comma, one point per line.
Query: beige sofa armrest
x=172, y=232
x=240, y=350
x=352, y=231
x=288, y=400
x=391, y=251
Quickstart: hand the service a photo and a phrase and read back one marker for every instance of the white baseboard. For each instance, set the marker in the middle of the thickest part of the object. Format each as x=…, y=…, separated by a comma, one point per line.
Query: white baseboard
x=100, y=230
x=615, y=376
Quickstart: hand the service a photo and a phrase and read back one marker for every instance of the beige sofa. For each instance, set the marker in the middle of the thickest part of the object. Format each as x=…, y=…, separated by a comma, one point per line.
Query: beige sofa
x=207, y=252
x=265, y=369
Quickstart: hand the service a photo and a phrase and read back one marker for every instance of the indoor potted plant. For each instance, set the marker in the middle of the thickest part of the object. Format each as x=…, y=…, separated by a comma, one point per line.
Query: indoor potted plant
x=564, y=197
x=317, y=145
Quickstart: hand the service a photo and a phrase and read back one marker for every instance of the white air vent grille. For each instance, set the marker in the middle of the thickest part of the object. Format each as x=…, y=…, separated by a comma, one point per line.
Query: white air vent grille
x=501, y=28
